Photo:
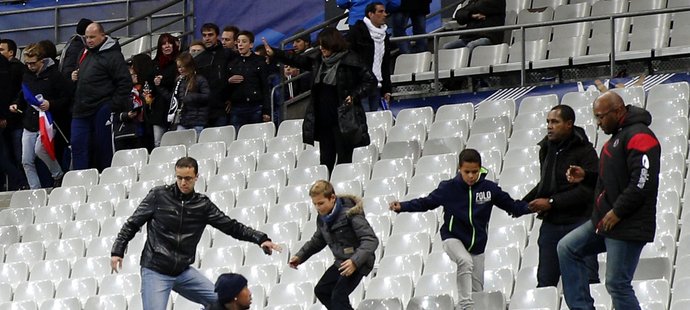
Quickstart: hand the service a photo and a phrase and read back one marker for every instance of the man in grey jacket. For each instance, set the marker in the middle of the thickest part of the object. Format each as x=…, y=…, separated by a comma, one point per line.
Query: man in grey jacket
x=342, y=226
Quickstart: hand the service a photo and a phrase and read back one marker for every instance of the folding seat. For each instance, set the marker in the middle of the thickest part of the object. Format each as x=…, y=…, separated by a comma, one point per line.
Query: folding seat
x=491, y=124
x=282, y=160
x=431, y=302
x=500, y=280
x=309, y=271
x=445, y=164
x=232, y=257
x=290, y=127
x=167, y=154
x=425, y=222
x=136, y=157
x=671, y=126
x=86, y=178
x=400, y=167
x=519, y=175
x=377, y=204
x=561, y=50
x=256, y=196
x=307, y=175
x=412, y=243
x=208, y=150
x=449, y=128
x=392, y=303
x=674, y=144
x=492, y=160
x=9, y=235
x=548, y=3
x=534, y=50
x=142, y=188
x=20, y=216
x=112, y=193
x=407, y=132
x=680, y=304
x=222, y=134
x=301, y=294
x=247, y=147
x=94, y=210
x=518, y=5
x=459, y=111
x=224, y=199
x=599, y=45
x=275, y=179
x=286, y=233
x=54, y=270
x=496, y=108
x=408, y=65
x=262, y=131
x=632, y=95
x=651, y=291
x=96, y=267
x=514, y=235
x=352, y=187
x=390, y=287
x=366, y=154
x=537, y=104
x=544, y=297
x=84, y=229
x=394, y=186
x=125, y=175
x=111, y=226
x=659, y=267
x=437, y=284
x=488, y=141
x=244, y=164
x=571, y=11
x=488, y=300
x=525, y=156
x=158, y=171
x=19, y=305
x=407, y=265
x=420, y=115
x=130, y=263
x=106, y=302
x=425, y=183
x=230, y=181
x=68, y=249
x=526, y=138
x=81, y=288
x=74, y=196
x=61, y=304
x=449, y=60
x=529, y=120
x=266, y=274
x=380, y=223
x=280, y=144
x=287, y=212
x=28, y=252
x=483, y=58
x=578, y=100
x=28, y=198
x=37, y=291
x=672, y=180
x=382, y=119
x=309, y=157
x=41, y=232
x=527, y=16
x=252, y=216
x=668, y=107
x=101, y=246
x=646, y=5
x=503, y=257
x=644, y=40
x=448, y=145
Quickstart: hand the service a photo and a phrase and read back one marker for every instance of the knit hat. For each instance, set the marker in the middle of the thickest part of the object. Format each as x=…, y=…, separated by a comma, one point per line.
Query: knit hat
x=228, y=286
x=82, y=24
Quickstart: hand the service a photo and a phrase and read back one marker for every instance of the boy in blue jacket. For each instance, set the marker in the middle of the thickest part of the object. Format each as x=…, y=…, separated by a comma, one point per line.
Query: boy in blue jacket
x=467, y=201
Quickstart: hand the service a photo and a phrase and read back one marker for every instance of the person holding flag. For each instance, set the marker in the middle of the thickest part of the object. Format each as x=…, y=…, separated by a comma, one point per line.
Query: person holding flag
x=44, y=90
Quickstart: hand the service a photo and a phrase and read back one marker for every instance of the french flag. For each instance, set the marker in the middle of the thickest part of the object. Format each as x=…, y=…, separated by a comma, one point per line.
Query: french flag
x=45, y=122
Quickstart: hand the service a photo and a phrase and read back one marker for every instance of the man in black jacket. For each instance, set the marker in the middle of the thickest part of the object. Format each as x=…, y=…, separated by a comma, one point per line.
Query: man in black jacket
x=103, y=87
x=212, y=64
x=368, y=38
x=480, y=14
x=624, y=215
x=562, y=206
x=176, y=217
x=415, y=11
x=69, y=59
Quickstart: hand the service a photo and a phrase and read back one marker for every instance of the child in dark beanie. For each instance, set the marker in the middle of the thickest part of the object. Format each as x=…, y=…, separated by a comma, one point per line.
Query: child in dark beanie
x=233, y=293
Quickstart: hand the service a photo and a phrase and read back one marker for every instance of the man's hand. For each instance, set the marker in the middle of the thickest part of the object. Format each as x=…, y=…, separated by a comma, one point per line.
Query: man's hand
x=14, y=108
x=609, y=221
x=294, y=262
x=478, y=16
x=269, y=50
x=236, y=79
x=115, y=263
x=45, y=105
x=348, y=100
x=575, y=174
x=3, y=123
x=347, y=268
x=266, y=118
x=387, y=96
x=269, y=247
x=539, y=205
x=394, y=206
x=75, y=75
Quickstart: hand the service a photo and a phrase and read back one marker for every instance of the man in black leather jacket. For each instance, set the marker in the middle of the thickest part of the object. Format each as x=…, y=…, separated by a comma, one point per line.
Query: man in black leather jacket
x=176, y=218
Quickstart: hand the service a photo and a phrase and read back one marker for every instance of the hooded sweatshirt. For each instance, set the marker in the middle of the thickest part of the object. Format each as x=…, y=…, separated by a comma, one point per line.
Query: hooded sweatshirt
x=467, y=209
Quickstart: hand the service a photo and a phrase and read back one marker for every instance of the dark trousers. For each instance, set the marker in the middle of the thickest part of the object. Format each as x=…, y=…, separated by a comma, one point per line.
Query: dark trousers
x=247, y=114
x=93, y=136
x=333, y=290
x=7, y=167
x=333, y=143
x=548, y=270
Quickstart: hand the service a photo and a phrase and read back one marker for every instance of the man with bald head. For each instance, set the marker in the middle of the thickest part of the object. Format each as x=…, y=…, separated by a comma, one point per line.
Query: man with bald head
x=103, y=87
x=624, y=215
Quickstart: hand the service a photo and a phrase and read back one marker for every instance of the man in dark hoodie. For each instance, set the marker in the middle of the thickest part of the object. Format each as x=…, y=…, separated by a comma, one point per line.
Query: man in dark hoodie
x=480, y=14
x=103, y=87
x=562, y=206
x=212, y=64
x=69, y=58
x=624, y=215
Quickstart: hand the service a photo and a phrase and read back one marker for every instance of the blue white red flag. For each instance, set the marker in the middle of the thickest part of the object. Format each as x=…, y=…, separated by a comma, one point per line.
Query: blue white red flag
x=45, y=122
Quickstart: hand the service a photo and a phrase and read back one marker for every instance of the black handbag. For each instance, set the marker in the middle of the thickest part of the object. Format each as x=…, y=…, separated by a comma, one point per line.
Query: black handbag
x=353, y=125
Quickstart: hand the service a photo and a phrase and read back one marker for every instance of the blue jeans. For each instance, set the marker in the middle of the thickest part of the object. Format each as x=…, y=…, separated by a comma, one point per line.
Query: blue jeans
x=621, y=262
x=548, y=270
x=418, y=27
x=198, y=129
x=191, y=284
x=333, y=290
x=243, y=115
x=470, y=45
x=32, y=147
x=93, y=136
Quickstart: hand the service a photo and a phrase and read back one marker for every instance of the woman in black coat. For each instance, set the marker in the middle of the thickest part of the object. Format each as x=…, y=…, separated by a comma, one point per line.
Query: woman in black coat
x=334, y=116
x=165, y=73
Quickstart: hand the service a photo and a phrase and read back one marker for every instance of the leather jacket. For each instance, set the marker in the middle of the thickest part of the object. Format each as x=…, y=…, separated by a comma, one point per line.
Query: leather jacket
x=175, y=224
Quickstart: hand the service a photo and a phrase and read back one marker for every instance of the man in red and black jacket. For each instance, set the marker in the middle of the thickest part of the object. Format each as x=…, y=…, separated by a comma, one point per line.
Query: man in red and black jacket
x=624, y=215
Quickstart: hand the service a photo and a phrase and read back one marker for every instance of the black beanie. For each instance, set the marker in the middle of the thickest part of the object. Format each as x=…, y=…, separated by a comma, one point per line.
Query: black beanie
x=228, y=286
x=82, y=24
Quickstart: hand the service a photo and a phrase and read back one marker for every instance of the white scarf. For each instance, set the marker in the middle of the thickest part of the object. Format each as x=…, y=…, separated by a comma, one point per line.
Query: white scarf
x=378, y=34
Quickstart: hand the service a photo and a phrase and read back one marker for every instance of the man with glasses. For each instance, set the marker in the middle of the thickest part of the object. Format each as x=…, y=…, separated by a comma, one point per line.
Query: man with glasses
x=624, y=215
x=176, y=216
